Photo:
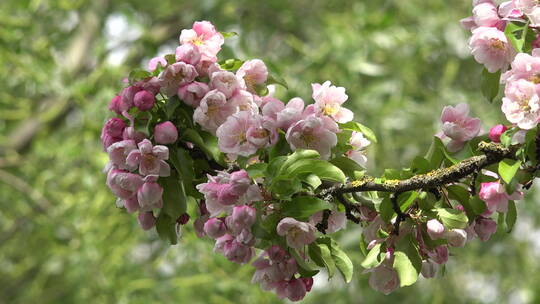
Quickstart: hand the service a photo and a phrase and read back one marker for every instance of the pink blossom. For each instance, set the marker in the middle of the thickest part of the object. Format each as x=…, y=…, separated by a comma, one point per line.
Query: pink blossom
x=490, y=47
x=336, y=220
x=150, y=159
x=252, y=73
x=484, y=228
x=150, y=84
x=495, y=133
x=521, y=104
x=213, y=111
x=458, y=126
x=359, y=144
x=215, y=228
x=496, y=198
x=188, y=53
x=384, y=279
x=525, y=66
x=114, y=127
x=165, y=133
x=198, y=225
x=243, y=100
x=126, y=98
x=298, y=234
x=146, y=220
x=153, y=63
x=315, y=133
x=131, y=133
x=192, y=93
x=149, y=195
x=270, y=107
x=435, y=229
x=243, y=217
x=119, y=151
x=176, y=75
x=509, y=11
x=456, y=237
x=205, y=37
x=429, y=269
x=232, y=135
x=328, y=101
x=237, y=252
x=124, y=184
x=144, y=100
x=439, y=254
x=295, y=290
x=131, y=204
x=291, y=114
x=225, y=82
x=115, y=105
x=485, y=14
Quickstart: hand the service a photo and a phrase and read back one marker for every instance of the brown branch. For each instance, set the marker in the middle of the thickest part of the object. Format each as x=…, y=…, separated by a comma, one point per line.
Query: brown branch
x=493, y=153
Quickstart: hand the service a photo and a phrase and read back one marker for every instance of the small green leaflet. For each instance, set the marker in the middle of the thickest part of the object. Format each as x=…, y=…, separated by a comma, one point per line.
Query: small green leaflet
x=405, y=269
x=490, y=84
x=372, y=258
x=511, y=216
x=228, y=34
x=508, y=169
x=452, y=218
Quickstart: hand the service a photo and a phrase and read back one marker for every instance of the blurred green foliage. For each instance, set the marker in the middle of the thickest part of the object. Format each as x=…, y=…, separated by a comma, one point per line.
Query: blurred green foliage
x=62, y=240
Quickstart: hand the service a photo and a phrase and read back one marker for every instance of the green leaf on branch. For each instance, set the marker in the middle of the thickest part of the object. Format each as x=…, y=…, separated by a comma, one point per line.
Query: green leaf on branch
x=170, y=58
x=490, y=84
x=372, y=258
x=358, y=127
x=477, y=205
x=174, y=196
x=386, y=210
x=452, y=218
x=166, y=228
x=231, y=64
x=508, y=169
x=302, y=207
x=516, y=32
x=321, y=255
x=405, y=269
x=257, y=170
x=511, y=216
x=306, y=268
x=138, y=75
x=228, y=34
x=347, y=165
x=276, y=79
x=406, y=199
x=340, y=258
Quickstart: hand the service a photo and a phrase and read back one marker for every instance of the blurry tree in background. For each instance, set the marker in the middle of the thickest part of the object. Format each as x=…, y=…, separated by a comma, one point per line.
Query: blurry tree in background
x=62, y=240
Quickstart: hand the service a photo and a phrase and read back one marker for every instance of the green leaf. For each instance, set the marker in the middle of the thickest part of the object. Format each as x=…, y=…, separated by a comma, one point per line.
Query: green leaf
x=405, y=269
x=257, y=170
x=478, y=205
x=321, y=255
x=166, y=228
x=231, y=64
x=171, y=58
x=296, y=156
x=386, y=210
x=508, y=169
x=138, y=75
x=372, y=258
x=511, y=216
x=276, y=79
x=323, y=169
x=170, y=107
x=302, y=207
x=305, y=268
x=174, y=196
x=284, y=188
x=420, y=165
x=342, y=261
x=452, y=218
x=312, y=180
x=228, y=34
x=490, y=84
x=516, y=32
x=406, y=199
x=347, y=165
x=358, y=127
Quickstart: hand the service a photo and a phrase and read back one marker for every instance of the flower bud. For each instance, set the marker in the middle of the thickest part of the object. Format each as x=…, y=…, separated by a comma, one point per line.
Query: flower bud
x=131, y=204
x=238, y=252
x=308, y=282
x=146, y=220
x=144, y=100
x=183, y=219
x=114, y=127
x=116, y=105
x=243, y=216
x=149, y=196
x=456, y=237
x=429, y=269
x=215, y=228
x=384, y=279
x=295, y=290
x=435, y=229
x=165, y=133
x=276, y=253
x=495, y=133
x=131, y=133
x=439, y=255
x=484, y=228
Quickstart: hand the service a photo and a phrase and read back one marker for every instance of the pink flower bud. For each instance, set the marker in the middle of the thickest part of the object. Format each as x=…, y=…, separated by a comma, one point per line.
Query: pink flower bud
x=131, y=204
x=183, y=219
x=298, y=234
x=144, y=100
x=116, y=104
x=429, y=269
x=456, y=237
x=276, y=253
x=439, y=255
x=127, y=96
x=131, y=133
x=114, y=127
x=243, y=216
x=225, y=82
x=146, y=220
x=188, y=53
x=295, y=290
x=308, y=282
x=149, y=196
x=165, y=133
x=238, y=252
x=495, y=133
x=435, y=229
x=384, y=279
x=484, y=228
x=215, y=228
x=198, y=224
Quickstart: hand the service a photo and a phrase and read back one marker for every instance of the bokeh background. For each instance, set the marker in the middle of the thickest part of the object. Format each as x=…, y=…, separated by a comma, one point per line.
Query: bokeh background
x=62, y=240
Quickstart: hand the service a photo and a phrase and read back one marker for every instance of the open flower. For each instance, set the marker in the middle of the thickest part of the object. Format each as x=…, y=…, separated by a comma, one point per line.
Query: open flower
x=458, y=126
x=336, y=220
x=150, y=159
x=213, y=111
x=315, y=133
x=496, y=198
x=298, y=234
x=328, y=101
x=384, y=279
x=252, y=73
x=521, y=104
x=205, y=36
x=359, y=144
x=491, y=48
x=176, y=75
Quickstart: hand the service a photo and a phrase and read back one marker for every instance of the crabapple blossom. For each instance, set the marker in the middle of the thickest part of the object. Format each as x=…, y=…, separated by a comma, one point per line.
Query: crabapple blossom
x=251, y=74
x=295, y=290
x=204, y=36
x=154, y=62
x=243, y=217
x=439, y=254
x=144, y=100
x=192, y=93
x=435, y=229
x=458, y=126
x=496, y=131
x=359, y=144
x=384, y=279
x=456, y=237
x=491, y=48
x=146, y=220
x=119, y=151
x=521, y=104
x=150, y=159
x=149, y=195
x=484, y=228
x=131, y=204
x=315, y=133
x=298, y=234
x=124, y=184
x=176, y=75
x=328, y=101
x=225, y=82
x=429, y=269
x=213, y=111
x=188, y=53
x=291, y=114
x=165, y=133
x=232, y=135
x=215, y=228
x=496, y=198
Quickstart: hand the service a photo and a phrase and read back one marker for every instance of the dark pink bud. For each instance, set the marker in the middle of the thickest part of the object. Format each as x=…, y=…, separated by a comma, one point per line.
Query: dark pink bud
x=202, y=208
x=183, y=219
x=484, y=228
x=116, y=105
x=296, y=290
x=495, y=133
x=165, y=133
x=308, y=282
x=276, y=253
x=146, y=220
x=127, y=96
x=131, y=133
x=144, y=100
x=114, y=127
x=131, y=204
